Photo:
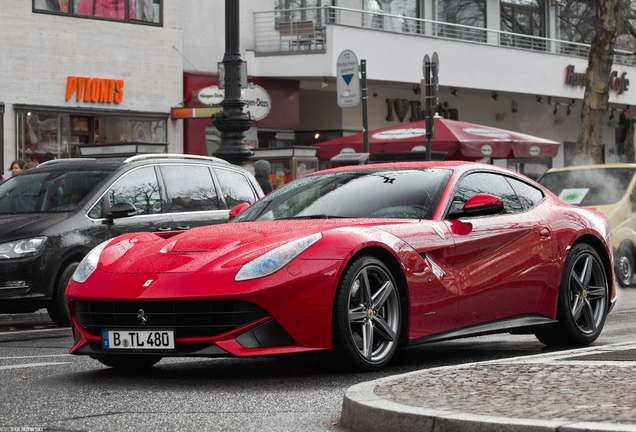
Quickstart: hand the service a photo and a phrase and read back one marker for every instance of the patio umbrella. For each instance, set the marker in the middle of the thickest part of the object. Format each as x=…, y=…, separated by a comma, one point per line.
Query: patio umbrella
x=458, y=140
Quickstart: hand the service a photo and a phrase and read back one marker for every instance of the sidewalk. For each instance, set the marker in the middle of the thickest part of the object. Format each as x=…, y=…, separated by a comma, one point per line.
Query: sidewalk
x=588, y=389
x=39, y=316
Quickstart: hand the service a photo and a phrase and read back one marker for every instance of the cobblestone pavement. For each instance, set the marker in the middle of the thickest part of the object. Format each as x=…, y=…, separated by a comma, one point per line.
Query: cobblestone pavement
x=586, y=389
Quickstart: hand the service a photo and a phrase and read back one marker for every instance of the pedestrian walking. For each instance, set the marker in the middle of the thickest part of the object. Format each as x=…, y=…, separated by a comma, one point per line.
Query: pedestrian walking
x=262, y=168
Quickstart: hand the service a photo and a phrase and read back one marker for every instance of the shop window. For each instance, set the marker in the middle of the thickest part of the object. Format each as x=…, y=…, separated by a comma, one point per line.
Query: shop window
x=42, y=132
x=133, y=11
x=275, y=139
x=62, y=134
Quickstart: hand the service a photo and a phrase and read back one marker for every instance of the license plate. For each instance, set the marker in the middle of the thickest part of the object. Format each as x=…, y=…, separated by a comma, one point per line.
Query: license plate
x=138, y=339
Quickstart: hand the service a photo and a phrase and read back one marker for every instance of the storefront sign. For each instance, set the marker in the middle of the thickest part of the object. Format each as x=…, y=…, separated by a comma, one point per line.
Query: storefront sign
x=618, y=84
x=486, y=133
x=399, y=134
x=95, y=89
x=256, y=98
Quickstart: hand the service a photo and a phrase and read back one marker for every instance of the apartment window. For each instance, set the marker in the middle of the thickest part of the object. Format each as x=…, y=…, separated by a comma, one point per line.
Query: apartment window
x=523, y=17
x=465, y=12
x=308, y=10
x=132, y=11
x=577, y=20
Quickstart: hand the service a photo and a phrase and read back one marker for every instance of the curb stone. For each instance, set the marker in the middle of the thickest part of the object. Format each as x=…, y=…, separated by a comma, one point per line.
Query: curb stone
x=364, y=410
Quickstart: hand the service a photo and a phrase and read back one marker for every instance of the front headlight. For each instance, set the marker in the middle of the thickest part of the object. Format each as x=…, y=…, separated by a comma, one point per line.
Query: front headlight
x=88, y=265
x=22, y=248
x=276, y=259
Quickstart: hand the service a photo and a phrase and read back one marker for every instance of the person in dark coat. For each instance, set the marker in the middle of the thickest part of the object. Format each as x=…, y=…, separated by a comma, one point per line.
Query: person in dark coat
x=262, y=169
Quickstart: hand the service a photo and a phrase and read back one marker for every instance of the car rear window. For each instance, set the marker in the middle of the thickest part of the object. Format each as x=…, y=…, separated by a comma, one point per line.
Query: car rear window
x=47, y=192
x=589, y=187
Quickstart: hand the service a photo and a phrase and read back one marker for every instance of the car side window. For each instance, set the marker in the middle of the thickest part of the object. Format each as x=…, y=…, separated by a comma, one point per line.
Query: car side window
x=140, y=188
x=189, y=188
x=529, y=196
x=485, y=183
x=236, y=188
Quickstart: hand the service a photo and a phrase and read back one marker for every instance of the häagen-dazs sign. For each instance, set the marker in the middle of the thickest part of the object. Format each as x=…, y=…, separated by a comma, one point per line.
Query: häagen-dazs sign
x=257, y=100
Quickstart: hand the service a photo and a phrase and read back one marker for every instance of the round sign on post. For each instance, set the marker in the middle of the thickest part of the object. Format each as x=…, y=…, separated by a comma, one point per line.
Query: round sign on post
x=348, y=79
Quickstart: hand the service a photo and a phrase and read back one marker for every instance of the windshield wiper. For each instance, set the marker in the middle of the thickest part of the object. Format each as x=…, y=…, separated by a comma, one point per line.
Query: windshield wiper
x=314, y=216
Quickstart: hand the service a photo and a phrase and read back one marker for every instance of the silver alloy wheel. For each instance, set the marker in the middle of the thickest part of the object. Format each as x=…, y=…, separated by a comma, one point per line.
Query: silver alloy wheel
x=374, y=314
x=587, y=293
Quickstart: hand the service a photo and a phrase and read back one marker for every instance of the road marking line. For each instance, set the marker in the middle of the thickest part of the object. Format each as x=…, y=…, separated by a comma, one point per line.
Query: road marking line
x=27, y=365
x=38, y=356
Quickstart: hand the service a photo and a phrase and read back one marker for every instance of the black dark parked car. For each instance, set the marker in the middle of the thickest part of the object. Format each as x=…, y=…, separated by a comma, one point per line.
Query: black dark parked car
x=51, y=216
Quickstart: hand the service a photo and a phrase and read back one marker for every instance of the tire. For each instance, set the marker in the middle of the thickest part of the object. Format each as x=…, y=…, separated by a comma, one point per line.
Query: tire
x=127, y=361
x=366, y=316
x=625, y=266
x=58, y=311
x=583, y=300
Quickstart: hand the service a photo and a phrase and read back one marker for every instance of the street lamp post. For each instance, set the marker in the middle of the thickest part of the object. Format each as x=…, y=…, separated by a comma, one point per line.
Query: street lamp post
x=232, y=121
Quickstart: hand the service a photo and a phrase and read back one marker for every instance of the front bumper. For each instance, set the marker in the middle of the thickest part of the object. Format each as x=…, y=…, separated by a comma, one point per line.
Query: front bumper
x=288, y=312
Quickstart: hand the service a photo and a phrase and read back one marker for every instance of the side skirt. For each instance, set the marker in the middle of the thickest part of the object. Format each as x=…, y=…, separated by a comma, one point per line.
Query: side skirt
x=521, y=324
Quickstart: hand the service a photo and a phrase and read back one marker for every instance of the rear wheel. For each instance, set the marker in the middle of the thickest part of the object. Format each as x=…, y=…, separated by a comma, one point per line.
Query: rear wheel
x=58, y=311
x=128, y=361
x=583, y=297
x=366, y=320
x=625, y=266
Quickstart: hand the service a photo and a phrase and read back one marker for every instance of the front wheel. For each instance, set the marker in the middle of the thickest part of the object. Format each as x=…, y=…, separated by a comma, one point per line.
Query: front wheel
x=367, y=315
x=583, y=299
x=58, y=311
x=127, y=361
x=625, y=266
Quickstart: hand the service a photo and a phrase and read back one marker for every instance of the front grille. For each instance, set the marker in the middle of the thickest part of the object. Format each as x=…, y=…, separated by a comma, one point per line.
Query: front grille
x=189, y=319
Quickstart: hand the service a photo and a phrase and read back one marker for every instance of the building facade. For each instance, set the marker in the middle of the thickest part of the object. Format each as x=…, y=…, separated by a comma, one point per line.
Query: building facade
x=78, y=74
x=514, y=65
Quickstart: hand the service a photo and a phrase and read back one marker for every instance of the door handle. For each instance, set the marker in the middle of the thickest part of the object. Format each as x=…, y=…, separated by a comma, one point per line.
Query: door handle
x=182, y=227
x=544, y=232
x=164, y=229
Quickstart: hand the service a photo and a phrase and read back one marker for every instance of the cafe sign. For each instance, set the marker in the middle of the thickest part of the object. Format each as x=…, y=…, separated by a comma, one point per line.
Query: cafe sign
x=257, y=101
x=619, y=84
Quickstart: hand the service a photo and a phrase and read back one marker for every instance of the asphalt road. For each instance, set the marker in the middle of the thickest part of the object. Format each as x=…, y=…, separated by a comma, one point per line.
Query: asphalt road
x=44, y=388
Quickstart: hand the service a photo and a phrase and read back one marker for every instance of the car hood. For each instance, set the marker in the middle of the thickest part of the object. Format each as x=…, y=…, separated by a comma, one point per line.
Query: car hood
x=18, y=226
x=222, y=246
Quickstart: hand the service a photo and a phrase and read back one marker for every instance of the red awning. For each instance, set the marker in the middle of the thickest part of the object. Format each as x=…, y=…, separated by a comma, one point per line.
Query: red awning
x=459, y=140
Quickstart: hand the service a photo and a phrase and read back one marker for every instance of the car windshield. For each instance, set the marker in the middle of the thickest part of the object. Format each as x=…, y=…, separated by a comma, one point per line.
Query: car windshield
x=369, y=193
x=589, y=187
x=47, y=192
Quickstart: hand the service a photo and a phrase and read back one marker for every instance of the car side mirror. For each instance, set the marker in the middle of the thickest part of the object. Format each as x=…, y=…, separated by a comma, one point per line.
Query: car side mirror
x=238, y=209
x=122, y=209
x=480, y=205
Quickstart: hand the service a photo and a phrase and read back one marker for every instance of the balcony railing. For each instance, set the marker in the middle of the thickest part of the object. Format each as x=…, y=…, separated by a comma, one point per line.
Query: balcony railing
x=303, y=31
